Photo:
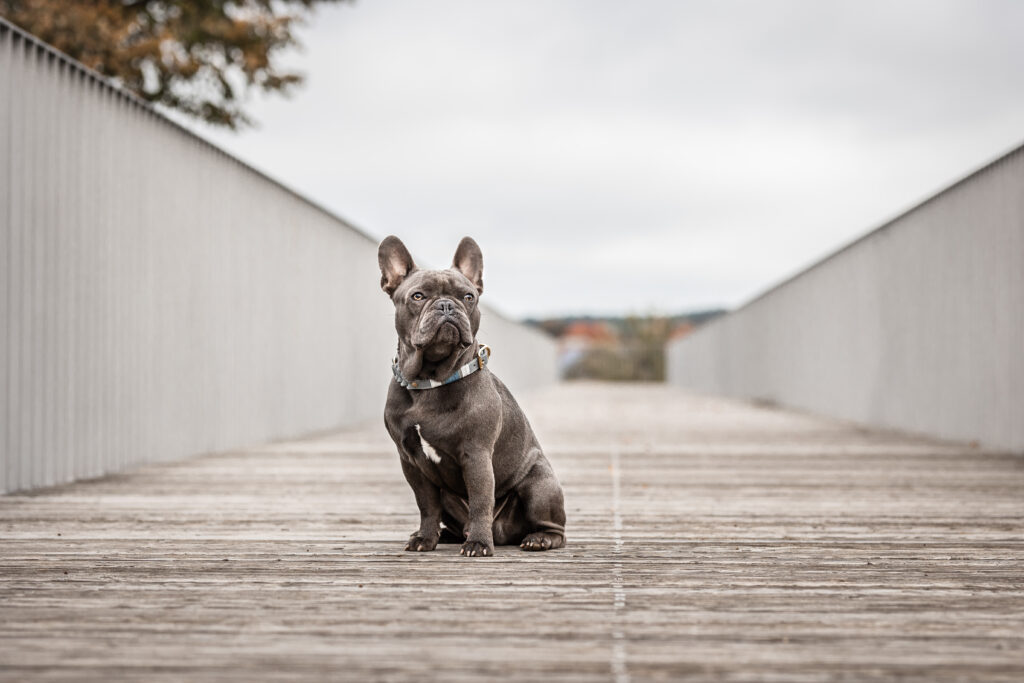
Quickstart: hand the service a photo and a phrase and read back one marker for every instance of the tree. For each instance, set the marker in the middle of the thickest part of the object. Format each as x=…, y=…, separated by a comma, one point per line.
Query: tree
x=197, y=57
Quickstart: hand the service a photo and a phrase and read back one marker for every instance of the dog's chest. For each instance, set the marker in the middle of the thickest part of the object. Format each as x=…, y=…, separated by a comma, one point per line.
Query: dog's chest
x=428, y=451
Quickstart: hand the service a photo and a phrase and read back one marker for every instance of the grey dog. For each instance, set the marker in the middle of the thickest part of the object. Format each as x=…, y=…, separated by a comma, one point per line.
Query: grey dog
x=467, y=449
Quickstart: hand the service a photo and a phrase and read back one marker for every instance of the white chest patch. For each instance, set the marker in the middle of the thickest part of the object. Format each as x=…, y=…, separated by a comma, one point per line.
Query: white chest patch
x=428, y=450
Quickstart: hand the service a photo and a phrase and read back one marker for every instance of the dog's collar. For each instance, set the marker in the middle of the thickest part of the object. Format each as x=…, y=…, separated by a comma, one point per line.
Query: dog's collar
x=483, y=354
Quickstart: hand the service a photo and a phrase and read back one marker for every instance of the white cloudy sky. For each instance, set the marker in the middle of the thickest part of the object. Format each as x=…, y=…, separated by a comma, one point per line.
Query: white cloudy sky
x=645, y=155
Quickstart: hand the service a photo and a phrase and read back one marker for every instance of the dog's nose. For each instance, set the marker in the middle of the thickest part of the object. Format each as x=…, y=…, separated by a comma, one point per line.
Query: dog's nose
x=446, y=306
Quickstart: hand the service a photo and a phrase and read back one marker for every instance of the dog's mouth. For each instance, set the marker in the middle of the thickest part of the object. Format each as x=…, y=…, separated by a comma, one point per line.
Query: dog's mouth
x=446, y=341
x=439, y=340
x=448, y=333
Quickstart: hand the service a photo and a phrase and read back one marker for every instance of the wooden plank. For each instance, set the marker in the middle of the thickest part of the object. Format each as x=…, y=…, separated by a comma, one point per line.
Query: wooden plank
x=708, y=540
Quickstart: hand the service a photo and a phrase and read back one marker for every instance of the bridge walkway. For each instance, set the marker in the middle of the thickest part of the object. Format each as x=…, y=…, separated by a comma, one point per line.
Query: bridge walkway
x=708, y=539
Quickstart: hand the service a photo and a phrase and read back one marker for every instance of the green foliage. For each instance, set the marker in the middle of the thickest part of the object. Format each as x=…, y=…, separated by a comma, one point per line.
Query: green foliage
x=196, y=57
x=629, y=348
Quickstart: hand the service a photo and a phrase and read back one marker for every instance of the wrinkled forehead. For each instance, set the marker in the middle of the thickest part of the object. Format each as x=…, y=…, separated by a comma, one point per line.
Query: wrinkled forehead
x=436, y=282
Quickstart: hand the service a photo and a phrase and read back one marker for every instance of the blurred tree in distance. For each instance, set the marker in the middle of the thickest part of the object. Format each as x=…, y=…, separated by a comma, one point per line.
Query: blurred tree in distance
x=629, y=348
x=192, y=56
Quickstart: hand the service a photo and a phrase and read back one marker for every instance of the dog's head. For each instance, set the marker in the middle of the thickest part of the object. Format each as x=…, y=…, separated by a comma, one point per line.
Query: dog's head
x=436, y=311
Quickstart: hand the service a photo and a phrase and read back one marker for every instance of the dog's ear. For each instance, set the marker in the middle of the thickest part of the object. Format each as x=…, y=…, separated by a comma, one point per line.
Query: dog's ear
x=395, y=263
x=470, y=262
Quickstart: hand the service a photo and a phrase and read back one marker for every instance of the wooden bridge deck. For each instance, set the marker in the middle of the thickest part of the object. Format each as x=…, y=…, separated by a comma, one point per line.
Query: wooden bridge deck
x=708, y=540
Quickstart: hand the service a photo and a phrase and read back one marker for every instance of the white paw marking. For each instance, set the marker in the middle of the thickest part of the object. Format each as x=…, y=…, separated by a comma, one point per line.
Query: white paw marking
x=428, y=450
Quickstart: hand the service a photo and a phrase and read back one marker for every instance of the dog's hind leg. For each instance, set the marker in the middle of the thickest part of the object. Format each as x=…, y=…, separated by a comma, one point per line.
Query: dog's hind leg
x=509, y=520
x=543, y=507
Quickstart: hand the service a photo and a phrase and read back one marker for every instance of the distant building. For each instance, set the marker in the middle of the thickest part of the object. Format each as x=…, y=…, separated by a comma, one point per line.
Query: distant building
x=583, y=336
x=681, y=330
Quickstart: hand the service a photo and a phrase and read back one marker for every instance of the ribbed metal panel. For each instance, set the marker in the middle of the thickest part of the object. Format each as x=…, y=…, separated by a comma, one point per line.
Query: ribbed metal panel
x=6, y=265
x=919, y=325
x=161, y=299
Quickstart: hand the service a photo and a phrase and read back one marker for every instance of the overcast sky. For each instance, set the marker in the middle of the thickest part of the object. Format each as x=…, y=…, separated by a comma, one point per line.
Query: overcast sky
x=643, y=156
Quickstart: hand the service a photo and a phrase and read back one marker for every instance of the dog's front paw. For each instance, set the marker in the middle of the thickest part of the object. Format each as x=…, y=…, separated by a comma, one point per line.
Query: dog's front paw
x=418, y=544
x=476, y=549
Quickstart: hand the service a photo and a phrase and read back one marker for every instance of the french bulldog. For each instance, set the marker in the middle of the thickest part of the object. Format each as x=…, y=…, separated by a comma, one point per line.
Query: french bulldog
x=467, y=450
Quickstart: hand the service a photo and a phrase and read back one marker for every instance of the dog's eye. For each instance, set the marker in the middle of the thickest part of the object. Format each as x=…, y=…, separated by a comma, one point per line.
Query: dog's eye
x=468, y=297
x=417, y=296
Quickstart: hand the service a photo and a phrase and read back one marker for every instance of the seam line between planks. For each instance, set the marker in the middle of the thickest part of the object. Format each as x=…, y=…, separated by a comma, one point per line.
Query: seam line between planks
x=618, y=664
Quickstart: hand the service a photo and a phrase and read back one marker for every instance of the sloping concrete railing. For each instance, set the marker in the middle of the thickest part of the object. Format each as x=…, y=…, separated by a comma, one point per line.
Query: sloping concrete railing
x=919, y=325
x=159, y=298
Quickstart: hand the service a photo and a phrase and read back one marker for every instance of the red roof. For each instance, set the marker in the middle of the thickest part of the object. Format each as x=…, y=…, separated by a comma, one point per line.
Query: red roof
x=596, y=330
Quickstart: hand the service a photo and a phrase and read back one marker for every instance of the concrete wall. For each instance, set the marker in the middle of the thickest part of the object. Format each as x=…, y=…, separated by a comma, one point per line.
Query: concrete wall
x=159, y=298
x=918, y=326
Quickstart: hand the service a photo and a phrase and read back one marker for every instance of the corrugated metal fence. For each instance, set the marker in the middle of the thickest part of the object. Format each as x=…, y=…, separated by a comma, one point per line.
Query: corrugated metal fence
x=160, y=299
x=917, y=326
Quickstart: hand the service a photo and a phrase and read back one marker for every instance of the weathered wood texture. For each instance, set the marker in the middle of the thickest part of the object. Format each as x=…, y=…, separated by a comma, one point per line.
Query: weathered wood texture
x=708, y=539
